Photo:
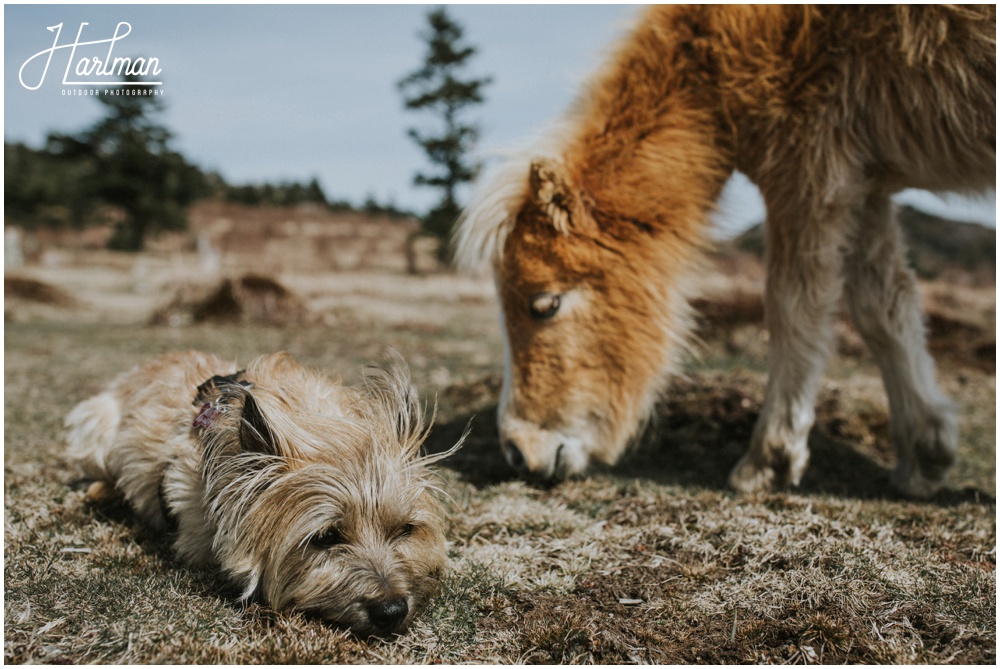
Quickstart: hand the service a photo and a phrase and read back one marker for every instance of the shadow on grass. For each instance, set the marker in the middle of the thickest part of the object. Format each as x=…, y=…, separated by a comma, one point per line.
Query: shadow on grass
x=696, y=445
x=158, y=545
x=479, y=461
x=164, y=570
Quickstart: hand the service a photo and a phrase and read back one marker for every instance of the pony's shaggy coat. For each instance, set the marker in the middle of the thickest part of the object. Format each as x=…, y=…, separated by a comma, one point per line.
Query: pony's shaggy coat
x=307, y=493
x=829, y=110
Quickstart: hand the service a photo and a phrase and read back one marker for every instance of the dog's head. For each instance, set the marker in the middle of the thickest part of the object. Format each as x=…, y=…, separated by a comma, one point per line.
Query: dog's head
x=320, y=496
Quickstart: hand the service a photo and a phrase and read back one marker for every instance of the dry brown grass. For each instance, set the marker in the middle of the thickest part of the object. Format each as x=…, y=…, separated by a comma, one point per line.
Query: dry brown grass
x=652, y=561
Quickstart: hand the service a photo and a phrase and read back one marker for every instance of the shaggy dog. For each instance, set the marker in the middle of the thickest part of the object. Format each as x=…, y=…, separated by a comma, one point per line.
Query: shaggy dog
x=306, y=493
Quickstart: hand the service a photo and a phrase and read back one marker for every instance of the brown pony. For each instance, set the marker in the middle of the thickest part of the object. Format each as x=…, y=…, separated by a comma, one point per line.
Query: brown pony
x=829, y=111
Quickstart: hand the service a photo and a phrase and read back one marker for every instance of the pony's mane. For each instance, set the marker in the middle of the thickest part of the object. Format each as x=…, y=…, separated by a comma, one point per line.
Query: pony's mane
x=498, y=196
x=482, y=229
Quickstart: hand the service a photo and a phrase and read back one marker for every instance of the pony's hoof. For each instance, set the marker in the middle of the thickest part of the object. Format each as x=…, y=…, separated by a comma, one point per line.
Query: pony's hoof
x=748, y=476
x=924, y=463
x=909, y=482
x=781, y=470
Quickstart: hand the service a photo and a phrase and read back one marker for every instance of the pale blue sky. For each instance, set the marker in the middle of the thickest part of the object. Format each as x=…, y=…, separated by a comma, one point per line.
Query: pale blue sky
x=264, y=93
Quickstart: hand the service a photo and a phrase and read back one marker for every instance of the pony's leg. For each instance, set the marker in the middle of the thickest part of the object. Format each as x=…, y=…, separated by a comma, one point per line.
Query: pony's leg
x=881, y=294
x=804, y=262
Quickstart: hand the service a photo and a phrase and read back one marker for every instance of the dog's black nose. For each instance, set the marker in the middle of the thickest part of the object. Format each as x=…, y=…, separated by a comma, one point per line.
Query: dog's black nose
x=387, y=615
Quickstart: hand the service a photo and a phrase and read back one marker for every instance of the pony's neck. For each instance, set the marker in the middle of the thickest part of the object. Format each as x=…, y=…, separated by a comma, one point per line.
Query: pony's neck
x=651, y=148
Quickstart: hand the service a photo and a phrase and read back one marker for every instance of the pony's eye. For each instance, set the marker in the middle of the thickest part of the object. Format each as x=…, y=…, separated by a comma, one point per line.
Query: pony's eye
x=405, y=531
x=328, y=538
x=544, y=305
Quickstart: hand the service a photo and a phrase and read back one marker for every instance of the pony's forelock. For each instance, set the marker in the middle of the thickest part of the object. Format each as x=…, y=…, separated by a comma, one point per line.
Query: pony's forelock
x=483, y=227
x=498, y=196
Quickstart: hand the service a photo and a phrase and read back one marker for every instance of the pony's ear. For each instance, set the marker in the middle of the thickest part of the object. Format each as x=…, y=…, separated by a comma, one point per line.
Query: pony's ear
x=553, y=194
x=256, y=435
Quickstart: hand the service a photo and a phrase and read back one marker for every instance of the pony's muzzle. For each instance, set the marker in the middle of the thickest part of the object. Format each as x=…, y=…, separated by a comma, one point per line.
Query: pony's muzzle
x=519, y=463
x=531, y=454
x=543, y=454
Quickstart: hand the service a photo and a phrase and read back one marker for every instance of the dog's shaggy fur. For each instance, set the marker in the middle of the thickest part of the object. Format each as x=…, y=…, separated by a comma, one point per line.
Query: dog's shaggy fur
x=307, y=493
x=829, y=110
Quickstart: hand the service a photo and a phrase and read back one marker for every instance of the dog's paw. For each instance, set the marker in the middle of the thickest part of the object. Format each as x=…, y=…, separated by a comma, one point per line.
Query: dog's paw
x=100, y=493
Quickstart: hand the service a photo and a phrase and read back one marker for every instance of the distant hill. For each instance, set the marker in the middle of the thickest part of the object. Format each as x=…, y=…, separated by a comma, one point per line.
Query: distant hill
x=940, y=248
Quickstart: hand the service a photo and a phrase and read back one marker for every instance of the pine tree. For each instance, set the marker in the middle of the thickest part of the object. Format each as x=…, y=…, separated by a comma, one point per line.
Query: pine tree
x=133, y=167
x=438, y=87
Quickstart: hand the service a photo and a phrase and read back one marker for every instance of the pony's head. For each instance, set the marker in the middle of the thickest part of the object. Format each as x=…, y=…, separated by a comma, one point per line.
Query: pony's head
x=591, y=314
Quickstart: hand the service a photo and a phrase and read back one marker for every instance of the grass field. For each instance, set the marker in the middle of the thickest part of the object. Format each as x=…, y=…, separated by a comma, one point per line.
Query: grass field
x=651, y=561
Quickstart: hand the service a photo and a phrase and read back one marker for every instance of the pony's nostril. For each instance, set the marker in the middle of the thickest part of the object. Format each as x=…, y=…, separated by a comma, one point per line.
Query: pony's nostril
x=557, y=468
x=514, y=457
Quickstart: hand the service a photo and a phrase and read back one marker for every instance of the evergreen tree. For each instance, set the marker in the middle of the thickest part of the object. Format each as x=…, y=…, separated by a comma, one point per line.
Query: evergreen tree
x=42, y=189
x=314, y=192
x=438, y=87
x=133, y=166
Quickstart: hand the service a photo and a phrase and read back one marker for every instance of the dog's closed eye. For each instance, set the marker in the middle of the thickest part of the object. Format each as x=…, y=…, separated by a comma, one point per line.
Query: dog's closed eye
x=328, y=538
x=405, y=531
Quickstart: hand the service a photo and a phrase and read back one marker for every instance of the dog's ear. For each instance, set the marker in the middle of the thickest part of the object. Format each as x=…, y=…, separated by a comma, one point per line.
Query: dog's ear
x=396, y=403
x=256, y=435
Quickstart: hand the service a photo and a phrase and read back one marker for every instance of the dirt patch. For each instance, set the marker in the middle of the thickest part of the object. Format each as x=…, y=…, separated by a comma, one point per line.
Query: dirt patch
x=720, y=314
x=252, y=298
x=27, y=299
x=32, y=290
x=960, y=328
